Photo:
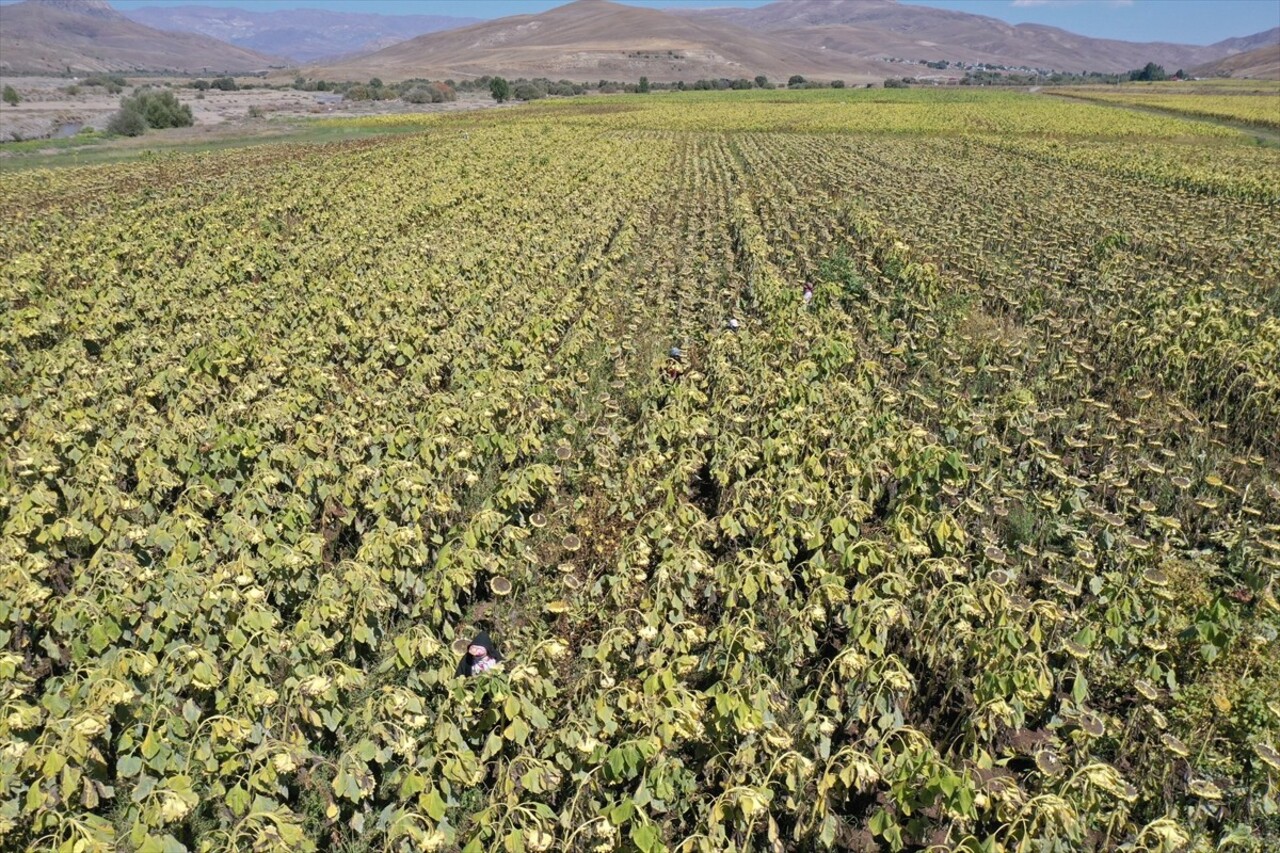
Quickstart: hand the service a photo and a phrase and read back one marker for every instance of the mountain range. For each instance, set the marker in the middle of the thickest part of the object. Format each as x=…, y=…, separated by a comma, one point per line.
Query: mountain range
x=54, y=36
x=852, y=39
x=1261, y=63
x=301, y=35
x=855, y=40
x=887, y=27
x=595, y=39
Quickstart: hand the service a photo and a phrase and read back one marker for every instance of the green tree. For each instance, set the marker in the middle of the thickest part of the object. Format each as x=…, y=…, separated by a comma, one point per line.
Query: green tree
x=796, y=80
x=644, y=85
x=500, y=89
x=11, y=96
x=149, y=108
x=163, y=109
x=761, y=81
x=1149, y=72
x=837, y=84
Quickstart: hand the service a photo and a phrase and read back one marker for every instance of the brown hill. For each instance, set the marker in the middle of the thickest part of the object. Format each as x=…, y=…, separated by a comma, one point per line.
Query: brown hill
x=1243, y=44
x=876, y=28
x=594, y=39
x=88, y=35
x=302, y=35
x=1261, y=63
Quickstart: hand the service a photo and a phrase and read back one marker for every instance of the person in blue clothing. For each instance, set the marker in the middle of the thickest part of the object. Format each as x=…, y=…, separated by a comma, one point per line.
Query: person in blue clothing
x=675, y=363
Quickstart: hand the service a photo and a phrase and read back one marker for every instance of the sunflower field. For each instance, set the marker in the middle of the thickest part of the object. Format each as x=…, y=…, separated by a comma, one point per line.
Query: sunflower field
x=975, y=550
x=1255, y=103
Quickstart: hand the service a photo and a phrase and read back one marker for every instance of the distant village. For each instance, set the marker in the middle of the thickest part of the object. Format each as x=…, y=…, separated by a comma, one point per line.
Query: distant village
x=994, y=74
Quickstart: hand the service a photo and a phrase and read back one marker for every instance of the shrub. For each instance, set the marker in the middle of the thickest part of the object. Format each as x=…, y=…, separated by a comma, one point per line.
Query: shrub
x=417, y=95
x=163, y=109
x=149, y=108
x=796, y=80
x=430, y=93
x=225, y=84
x=528, y=92
x=837, y=84
x=11, y=96
x=113, y=83
x=127, y=123
x=361, y=92
x=895, y=83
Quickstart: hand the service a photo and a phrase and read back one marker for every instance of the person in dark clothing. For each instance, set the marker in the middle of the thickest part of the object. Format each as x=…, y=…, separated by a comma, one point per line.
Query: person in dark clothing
x=675, y=363
x=482, y=655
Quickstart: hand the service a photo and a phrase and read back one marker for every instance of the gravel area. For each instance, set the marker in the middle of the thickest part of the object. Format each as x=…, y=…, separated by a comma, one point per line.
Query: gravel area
x=47, y=111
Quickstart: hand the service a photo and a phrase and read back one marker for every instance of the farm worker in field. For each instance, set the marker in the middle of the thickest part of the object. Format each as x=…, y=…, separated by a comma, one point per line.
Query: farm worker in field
x=482, y=655
x=808, y=293
x=675, y=363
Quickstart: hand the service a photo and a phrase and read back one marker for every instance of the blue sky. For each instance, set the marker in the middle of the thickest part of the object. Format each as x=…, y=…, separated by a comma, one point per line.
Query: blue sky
x=1185, y=21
